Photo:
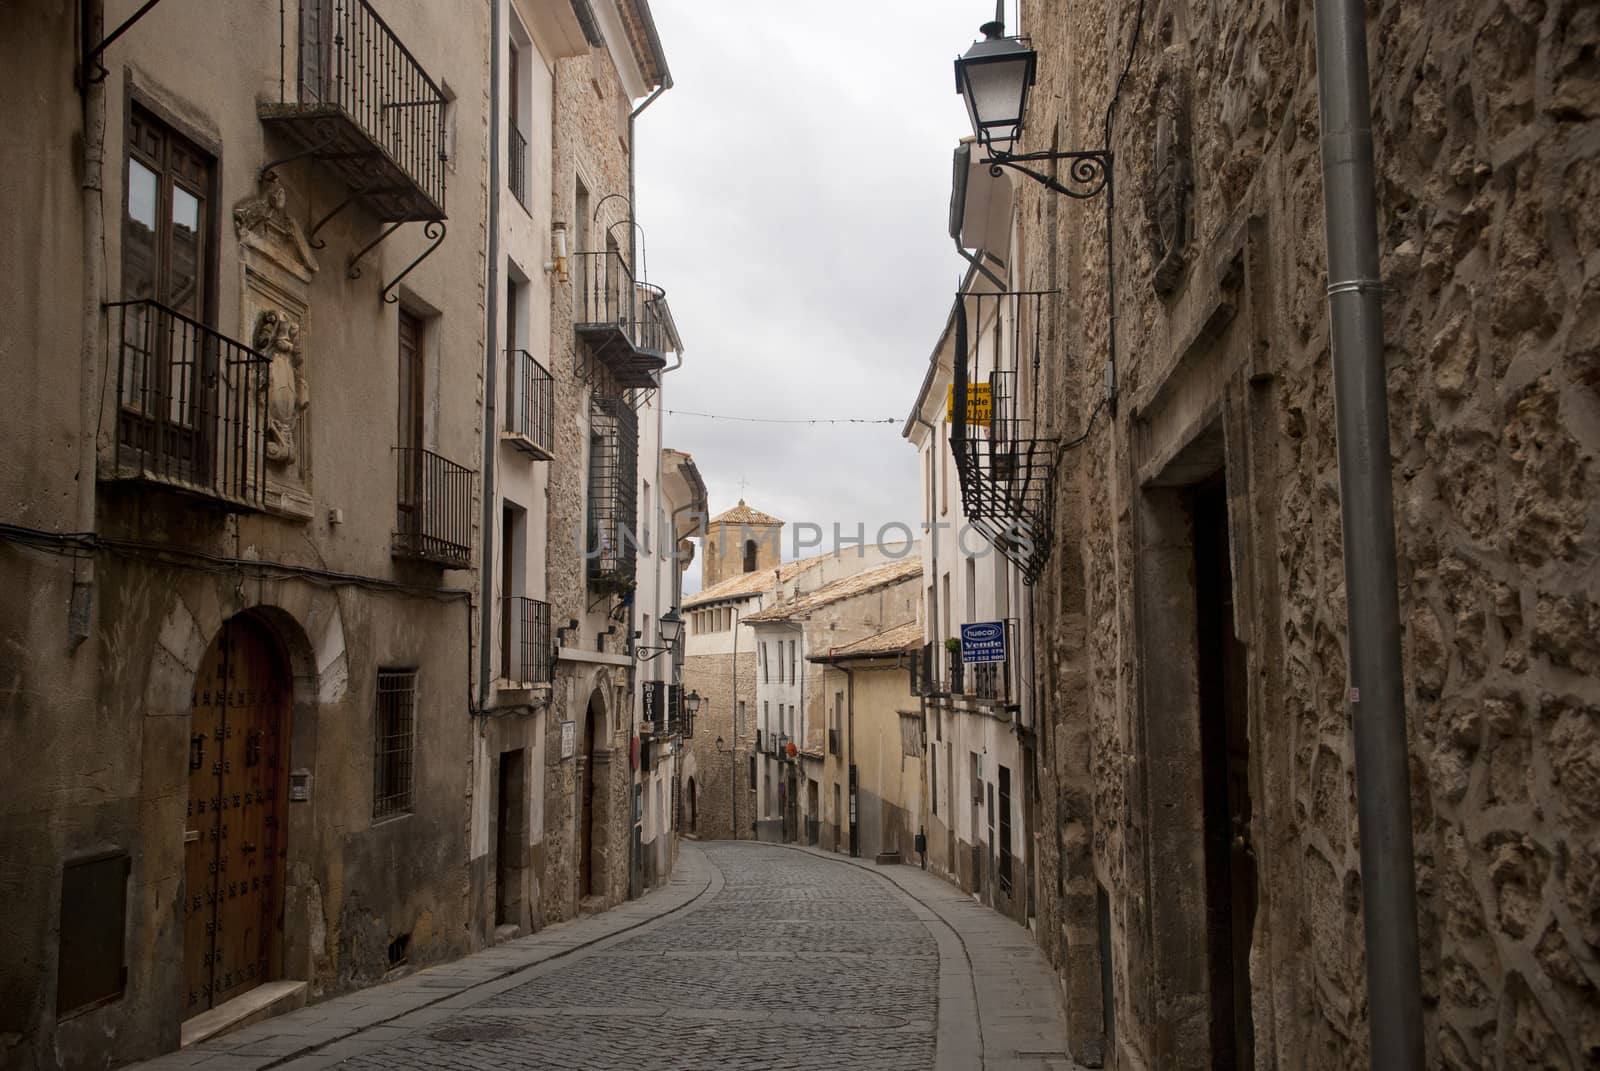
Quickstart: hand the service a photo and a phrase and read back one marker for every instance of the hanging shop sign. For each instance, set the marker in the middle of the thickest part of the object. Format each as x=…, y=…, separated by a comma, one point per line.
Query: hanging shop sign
x=980, y=404
x=983, y=641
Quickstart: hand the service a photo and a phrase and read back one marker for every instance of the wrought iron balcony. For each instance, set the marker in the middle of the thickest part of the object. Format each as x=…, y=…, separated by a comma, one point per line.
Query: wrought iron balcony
x=192, y=410
x=433, y=516
x=624, y=321
x=526, y=657
x=957, y=675
x=1005, y=467
x=518, y=167
x=611, y=547
x=530, y=406
x=925, y=671
x=365, y=106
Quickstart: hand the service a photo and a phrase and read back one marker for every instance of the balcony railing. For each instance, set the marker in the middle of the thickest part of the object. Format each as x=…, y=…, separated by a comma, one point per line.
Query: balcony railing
x=192, y=410
x=530, y=408
x=433, y=521
x=624, y=321
x=367, y=108
x=517, y=171
x=612, y=544
x=956, y=675
x=525, y=652
x=925, y=677
x=989, y=681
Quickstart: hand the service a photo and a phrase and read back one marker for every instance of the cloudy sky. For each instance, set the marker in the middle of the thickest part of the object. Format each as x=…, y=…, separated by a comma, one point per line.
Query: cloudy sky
x=793, y=188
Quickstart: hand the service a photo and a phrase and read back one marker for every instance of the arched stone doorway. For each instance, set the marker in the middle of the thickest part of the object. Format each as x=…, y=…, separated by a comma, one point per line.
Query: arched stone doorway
x=693, y=809
x=235, y=843
x=592, y=778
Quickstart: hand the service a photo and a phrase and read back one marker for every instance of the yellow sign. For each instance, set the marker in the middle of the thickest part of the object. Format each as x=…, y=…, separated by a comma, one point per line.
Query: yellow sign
x=980, y=404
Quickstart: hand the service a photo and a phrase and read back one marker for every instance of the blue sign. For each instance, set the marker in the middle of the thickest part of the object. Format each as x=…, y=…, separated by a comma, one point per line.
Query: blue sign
x=983, y=641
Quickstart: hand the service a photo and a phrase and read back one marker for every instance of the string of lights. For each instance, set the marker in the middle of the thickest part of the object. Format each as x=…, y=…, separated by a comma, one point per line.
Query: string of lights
x=784, y=420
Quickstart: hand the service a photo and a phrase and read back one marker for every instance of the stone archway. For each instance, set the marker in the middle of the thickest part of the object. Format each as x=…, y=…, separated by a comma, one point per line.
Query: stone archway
x=592, y=799
x=305, y=625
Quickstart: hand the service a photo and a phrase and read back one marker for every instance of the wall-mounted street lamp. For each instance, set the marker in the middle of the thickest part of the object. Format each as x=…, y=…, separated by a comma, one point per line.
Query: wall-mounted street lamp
x=671, y=629
x=691, y=707
x=994, y=78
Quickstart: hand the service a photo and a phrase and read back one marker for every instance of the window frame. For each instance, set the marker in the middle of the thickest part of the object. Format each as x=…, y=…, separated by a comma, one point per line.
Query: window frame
x=390, y=764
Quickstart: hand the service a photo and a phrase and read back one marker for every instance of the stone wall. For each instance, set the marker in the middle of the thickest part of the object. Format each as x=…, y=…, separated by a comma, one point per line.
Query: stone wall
x=713, y=676
x=1485, y=119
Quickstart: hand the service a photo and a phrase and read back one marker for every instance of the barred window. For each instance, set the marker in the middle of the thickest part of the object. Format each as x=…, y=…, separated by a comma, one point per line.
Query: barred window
x=393, y=735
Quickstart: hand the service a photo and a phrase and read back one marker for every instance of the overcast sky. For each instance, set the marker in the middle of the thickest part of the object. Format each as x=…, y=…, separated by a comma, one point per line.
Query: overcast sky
x=793, y=188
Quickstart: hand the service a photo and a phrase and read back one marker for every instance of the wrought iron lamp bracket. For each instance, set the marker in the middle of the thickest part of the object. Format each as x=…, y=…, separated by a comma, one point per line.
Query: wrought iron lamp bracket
x=1089, y=171
x=91, y=55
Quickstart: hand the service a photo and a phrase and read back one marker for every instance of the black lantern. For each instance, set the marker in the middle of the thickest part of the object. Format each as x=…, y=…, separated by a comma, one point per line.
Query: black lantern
x=691, y=704
x=994, y=78
x=671, y=627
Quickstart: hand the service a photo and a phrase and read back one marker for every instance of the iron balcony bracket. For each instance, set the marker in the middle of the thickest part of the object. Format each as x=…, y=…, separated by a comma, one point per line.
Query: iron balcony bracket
x=354, y=271
x=327, y=133
x=311, y=236
x=1089, y=172
x=92, y=55
x=434, y=229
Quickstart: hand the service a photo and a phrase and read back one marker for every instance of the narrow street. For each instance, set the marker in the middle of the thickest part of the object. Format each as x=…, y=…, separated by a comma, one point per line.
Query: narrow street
x=755, y=956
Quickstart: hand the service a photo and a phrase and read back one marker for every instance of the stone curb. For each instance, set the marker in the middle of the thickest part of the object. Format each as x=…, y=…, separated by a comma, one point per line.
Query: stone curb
x=373, y=1011
x=956, y=1048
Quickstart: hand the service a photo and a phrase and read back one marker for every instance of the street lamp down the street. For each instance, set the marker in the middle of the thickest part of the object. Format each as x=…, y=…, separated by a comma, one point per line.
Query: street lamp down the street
x=670, y=628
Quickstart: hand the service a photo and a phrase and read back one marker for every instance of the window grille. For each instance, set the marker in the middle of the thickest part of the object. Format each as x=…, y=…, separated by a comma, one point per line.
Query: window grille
x=394, y=736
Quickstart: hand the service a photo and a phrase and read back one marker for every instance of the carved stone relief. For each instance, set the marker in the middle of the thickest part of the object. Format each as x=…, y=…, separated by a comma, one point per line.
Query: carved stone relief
x=276, y=268
x=1169, y=187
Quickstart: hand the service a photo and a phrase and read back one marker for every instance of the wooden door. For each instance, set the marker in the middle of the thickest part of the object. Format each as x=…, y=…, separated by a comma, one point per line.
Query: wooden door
x=586, y=797
x=235, y=844
x=409, y=425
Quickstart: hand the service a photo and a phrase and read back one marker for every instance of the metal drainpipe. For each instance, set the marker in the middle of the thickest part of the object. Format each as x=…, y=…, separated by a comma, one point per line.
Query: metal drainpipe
x=733, y=749
x=491, y=362
x=933, y=548
x=850, y=765
x=80, y=608
x=1377, y=699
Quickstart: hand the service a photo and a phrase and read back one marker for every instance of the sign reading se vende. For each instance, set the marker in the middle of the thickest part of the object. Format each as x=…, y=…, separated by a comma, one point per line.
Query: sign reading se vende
x=980, y=404
x=983, y=641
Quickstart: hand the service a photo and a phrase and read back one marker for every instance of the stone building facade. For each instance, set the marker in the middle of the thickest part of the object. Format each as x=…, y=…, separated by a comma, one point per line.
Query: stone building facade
x=1195, y=756
x=804, y=773
x=238, y=481
x=879, y=733
x=271, y=471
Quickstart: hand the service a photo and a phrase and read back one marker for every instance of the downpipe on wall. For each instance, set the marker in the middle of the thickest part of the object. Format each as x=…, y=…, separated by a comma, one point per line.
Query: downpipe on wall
x=1366, y=497
x=81, y=607
x=491, y=377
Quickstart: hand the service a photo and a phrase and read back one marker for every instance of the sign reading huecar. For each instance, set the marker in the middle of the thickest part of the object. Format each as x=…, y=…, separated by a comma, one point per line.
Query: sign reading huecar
x=983, y=641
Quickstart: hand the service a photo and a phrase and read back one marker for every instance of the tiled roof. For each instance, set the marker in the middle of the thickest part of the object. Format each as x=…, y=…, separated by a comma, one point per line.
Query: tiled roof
x=743, y=514
x=746, y=584
x=897, y=640
x=828, y=594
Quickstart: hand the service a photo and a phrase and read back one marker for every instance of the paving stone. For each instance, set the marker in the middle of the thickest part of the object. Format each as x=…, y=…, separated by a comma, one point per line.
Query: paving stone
x=778, y=959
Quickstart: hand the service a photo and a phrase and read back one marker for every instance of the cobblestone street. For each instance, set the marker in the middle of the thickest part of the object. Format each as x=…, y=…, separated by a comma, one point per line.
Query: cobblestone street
x=757, y=956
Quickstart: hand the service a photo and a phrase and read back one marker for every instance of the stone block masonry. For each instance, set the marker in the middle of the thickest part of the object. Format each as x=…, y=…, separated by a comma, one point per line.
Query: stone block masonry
x=1485, y=116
